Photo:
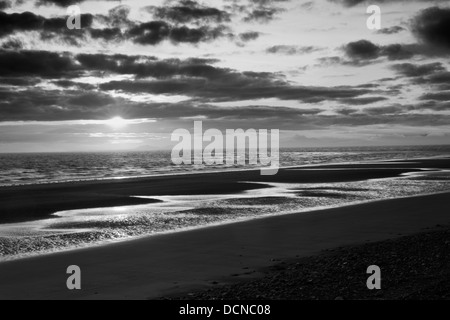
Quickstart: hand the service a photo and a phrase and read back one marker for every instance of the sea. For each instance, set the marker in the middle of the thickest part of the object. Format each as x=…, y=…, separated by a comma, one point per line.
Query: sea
x=67, y=230
x=36, y=168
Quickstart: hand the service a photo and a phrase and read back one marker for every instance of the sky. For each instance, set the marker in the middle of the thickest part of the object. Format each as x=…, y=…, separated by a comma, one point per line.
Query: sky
x=138, y=70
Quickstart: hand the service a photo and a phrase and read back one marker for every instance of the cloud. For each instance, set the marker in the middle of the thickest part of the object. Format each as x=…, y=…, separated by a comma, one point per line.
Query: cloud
x=118, y=16
x=391, y=30
x=47, y=105
x=36, y=63
x=397, y=52
x=398, y=110
x=5, y=4
x=68, y=84
x=12, y=44
x=363, y=52
x=291, y=50
x=60, y=3
x=249, y=36
x=256, y=11
x=388, y=110
x=50, y=105
x=142, y=66
x=19, y=82
x=36, y=104
x=187, y=11
x=413, y=70
x=352, y=3
x=439, y=96
x=363, y=100
x=147, y=33
x=157, y=31
x=362, y=49
x=434, y=75
x=195, y=78
x=91, y=99
x=48, y=28
x=432, y=26
x=262, y=15
x=235, y=86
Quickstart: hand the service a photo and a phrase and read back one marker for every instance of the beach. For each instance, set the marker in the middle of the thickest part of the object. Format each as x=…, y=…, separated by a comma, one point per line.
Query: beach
x=412, y=267
x=185, y=150
x=184, y=262
x=21, y=203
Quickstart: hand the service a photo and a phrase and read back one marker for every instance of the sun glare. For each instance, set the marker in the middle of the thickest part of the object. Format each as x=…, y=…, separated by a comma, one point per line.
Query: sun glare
x=116, y=122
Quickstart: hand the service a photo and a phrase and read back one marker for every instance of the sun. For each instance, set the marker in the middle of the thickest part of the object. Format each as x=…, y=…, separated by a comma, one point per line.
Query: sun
x=116, y=122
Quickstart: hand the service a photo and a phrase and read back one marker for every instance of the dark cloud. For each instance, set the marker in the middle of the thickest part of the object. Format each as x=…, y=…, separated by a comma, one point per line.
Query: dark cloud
x=187, y=11
x=348, y=3
x=388, y=110
x=328, y=61
x=42, y=64
x=108, y=34
x=390, y=116
x=291, y=50
x=346, y=111
x=197, y=78
x=433, y=75
x=235, y=87
x=157, y=31
x=413, y=70
x=118, y=16
x=142, y=67
x=60, y=3
x=432, y=105
x=351, y=3
x=91, y=99
x=260, y=11
x=46, y=105
x=396, y=52
x=391, y=30
x=52, y=105
x=363, y=100
x=148, y=33
x=395, y=114
x=4, y=4
x=363, y=51
x=432, y=26
x=18, y=82
x=12, y=44
x=249, y=36
x=68, y=84
x=439, y=78
x=48, y=28
x=263, y=15
x=439, y=96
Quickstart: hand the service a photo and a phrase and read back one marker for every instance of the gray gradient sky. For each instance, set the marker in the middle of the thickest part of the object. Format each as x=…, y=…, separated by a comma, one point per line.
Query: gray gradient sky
x=309, y=68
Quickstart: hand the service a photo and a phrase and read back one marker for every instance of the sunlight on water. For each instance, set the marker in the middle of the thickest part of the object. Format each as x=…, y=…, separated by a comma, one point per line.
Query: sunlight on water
x=16, y=169
x=78, y=228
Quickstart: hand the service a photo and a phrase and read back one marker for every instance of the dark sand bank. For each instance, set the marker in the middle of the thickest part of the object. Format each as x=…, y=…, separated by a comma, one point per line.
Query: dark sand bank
x=183, y=262
x=415, y=267
x=22, y=203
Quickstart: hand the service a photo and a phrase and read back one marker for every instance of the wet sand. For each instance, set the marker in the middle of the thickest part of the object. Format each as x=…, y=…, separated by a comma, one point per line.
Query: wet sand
x=183, y=262
x=24, y=203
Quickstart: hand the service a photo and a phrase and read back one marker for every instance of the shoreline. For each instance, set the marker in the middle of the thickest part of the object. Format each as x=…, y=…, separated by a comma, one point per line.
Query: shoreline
x=104, y=243
x=172, y=264
x=200, y=172
x=36, y=202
